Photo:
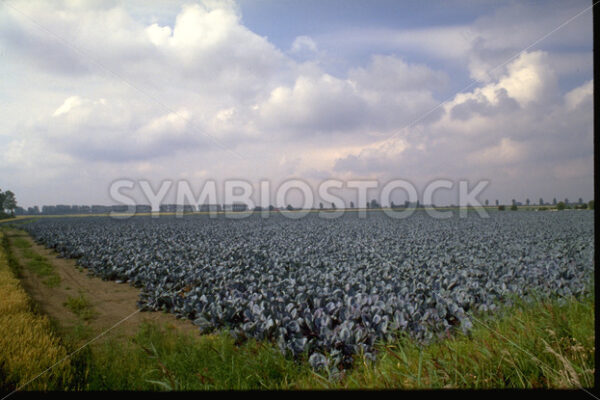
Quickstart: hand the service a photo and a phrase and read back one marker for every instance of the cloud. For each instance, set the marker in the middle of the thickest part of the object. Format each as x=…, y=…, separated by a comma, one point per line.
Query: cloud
x=303, y=44
x=447, y=42
x=207, y=48
x=316, y=104
x=504, y=130
x=98, y=93
x=68, y=39
x=579, y=96
x=487, y=43
x=529, y=78
x=507, y=151
x=97, y=129
x=374, y=159
x=482, y=106
x=69, y=104
x=574, y=168
x=138, y=78
x=508, y=30
x=391, y=74
x=387, y=92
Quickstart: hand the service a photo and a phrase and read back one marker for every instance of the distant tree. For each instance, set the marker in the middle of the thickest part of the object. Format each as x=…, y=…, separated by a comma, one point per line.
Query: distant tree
x=351, y=204
x=500, y=208
x=591, y=204
x=333, y=206
x=289, y=207
x=580, y=201
x=554, y=201
x=374, y=204
x=418, y=205
x=63, y=209
x=321, y=206
x=527, y=201
x=513, y=207
x=367, y=205
x=566, y=201
x=271, y=207
x=560, y=205
x=514, y=202
x=9, y=202
x=392, y=205
x=497, y=202
x=2, y=196
x=541, y=201
x=487, y=202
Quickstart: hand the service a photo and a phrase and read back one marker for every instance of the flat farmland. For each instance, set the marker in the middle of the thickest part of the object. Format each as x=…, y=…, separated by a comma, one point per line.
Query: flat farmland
x=331, y=289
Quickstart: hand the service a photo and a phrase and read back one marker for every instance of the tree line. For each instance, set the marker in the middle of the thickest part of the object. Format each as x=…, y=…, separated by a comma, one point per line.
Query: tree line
x=9, y=207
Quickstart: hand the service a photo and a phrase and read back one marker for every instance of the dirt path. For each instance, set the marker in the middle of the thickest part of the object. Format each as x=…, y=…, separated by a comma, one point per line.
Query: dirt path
x=110, y=301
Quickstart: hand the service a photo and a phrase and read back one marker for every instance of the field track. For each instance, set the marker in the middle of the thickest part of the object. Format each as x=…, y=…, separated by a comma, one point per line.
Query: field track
x=110, y=301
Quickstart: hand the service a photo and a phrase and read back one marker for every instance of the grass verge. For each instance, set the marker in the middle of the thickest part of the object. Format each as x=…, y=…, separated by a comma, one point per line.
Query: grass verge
x=160, y=358
x=36, y=263
x=81, y=307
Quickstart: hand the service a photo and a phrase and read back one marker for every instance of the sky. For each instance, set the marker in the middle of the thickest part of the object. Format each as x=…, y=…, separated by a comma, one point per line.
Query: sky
x=95, y=91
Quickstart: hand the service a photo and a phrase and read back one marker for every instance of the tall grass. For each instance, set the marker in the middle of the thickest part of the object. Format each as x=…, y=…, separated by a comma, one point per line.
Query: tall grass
x=544, y=344
x=27, y=344
x=11, y=260
x=160, y=358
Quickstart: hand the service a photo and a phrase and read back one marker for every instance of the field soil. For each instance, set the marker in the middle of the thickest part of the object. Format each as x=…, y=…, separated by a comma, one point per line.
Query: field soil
x=110, y=302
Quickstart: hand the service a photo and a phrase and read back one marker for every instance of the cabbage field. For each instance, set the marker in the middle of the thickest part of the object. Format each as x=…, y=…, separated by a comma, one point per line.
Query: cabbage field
x=330, y=288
